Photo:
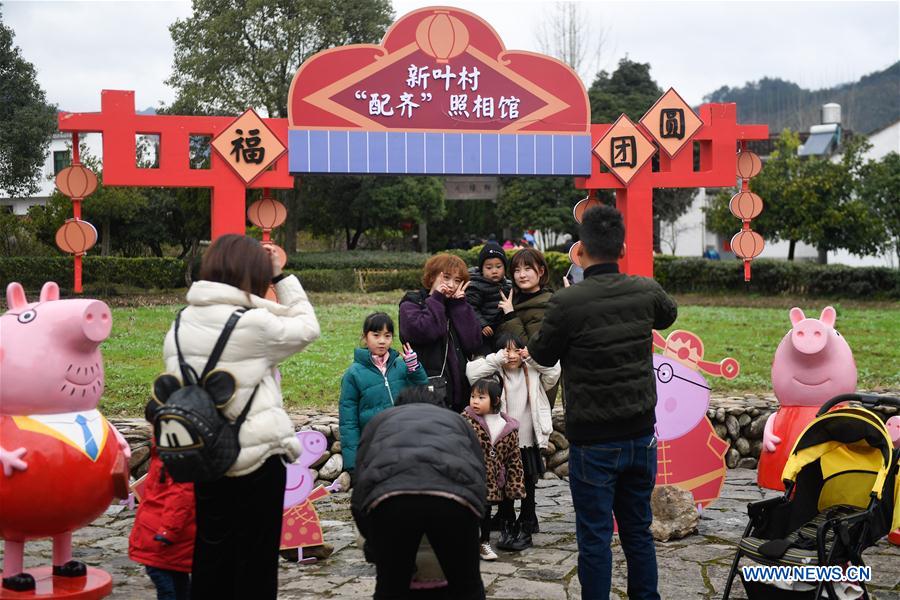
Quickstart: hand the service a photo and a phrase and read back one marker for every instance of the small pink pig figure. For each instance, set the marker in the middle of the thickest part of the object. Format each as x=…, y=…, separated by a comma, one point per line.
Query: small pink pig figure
x=62, y=462
x=300, y=526
x=813, y=363
x=689, y=453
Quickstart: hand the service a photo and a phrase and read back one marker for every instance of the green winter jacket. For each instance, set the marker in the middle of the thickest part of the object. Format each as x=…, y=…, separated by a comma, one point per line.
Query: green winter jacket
x=525, y=320
x=365, y=392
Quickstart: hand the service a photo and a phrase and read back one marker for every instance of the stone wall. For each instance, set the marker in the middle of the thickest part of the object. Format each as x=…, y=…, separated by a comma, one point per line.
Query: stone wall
x=739, y=420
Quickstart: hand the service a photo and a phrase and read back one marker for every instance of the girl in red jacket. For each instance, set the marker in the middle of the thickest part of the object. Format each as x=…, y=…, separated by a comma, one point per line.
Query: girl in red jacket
x=162, y=538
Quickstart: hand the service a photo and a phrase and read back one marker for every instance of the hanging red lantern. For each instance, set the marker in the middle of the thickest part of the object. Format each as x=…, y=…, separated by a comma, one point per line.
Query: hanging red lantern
x=76, y=237
x=267, y=213
x=573, y=254
x=747, y=245
x=583, y=206
x=76, y=181
x=745, y=205
x=748, y=164
x=442, y=36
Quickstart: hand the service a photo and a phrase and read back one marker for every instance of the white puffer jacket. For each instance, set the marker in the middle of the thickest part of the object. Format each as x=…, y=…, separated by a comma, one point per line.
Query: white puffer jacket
x=264, y=336
x=540, y=379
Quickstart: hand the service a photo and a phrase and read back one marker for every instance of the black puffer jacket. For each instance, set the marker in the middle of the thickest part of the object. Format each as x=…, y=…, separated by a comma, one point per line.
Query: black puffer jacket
x=484, y=296
x=418, y=449
x=601, y=330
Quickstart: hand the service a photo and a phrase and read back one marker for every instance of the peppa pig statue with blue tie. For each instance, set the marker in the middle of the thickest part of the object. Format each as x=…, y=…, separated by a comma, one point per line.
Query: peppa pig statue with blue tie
x=61, y=462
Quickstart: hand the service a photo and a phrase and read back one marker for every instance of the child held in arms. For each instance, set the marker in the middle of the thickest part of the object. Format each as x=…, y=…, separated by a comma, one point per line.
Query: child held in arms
x=488, y=282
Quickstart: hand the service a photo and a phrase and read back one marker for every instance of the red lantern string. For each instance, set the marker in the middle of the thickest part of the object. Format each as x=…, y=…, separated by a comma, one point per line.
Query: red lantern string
x=745, y=205
x=76, y=236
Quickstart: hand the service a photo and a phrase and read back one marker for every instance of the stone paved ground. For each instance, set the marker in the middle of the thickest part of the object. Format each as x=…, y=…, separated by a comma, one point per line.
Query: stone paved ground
x=691, y=568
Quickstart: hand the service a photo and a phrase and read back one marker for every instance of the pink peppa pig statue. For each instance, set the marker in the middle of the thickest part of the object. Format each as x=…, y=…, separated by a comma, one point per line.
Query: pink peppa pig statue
x=690, y=454
x=813, y=364
x=300, y=526
x=62, y=462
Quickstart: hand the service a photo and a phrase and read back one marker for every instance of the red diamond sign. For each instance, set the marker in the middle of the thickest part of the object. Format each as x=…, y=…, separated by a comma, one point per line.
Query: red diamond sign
x=248, y=145
x=671, y=122
x=624, y=149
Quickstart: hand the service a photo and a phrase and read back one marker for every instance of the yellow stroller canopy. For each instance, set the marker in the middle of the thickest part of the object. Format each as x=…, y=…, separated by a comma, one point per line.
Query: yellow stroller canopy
x=854, y=452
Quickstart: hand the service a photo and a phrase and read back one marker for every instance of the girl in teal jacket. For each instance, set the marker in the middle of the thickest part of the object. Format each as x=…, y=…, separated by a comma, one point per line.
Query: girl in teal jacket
x=372, y=383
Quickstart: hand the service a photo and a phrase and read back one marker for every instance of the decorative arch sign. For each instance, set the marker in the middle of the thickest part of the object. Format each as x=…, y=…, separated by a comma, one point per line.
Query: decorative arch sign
x=441, y=95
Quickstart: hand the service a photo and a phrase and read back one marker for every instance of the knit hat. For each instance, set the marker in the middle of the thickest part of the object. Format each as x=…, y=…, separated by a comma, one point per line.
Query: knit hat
x=491, y=250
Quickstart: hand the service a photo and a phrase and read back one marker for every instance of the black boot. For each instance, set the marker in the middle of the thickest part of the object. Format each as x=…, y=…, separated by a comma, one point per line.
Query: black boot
x=23, y=582
x=508, y=535
x=73, y=568
x=522, y=539
x=531, y=526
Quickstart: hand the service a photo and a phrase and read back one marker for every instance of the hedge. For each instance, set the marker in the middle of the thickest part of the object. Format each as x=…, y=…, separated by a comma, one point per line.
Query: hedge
x=147, y=273
x=380, y=272
x=776, y=277
x=356, y=259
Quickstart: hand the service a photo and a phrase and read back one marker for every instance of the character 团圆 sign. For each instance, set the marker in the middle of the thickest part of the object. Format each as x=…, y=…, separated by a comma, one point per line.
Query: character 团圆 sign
x=440, y=95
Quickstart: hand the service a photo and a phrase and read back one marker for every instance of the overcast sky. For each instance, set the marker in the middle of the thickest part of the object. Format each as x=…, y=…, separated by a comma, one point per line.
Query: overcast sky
x=80, y=48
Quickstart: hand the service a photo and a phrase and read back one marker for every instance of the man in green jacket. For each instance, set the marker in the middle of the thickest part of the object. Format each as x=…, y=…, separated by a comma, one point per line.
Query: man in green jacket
x=601, y=330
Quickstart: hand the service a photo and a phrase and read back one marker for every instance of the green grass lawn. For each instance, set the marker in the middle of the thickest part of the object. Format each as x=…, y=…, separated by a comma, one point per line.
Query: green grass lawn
x=133, y=354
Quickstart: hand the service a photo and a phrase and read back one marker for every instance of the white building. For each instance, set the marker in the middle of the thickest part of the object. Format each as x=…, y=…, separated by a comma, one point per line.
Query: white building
x=690, y=237
x=59, y=156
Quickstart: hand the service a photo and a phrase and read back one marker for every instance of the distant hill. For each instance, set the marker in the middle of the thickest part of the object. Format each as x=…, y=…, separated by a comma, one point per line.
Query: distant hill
x=867, y=105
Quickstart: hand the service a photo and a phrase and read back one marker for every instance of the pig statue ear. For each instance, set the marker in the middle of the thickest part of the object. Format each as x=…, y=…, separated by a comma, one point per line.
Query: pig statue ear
x=49, y=292
x=829, y=316
x=164, y=386
x=221, y=386
x=796, y=315
x=15, y=296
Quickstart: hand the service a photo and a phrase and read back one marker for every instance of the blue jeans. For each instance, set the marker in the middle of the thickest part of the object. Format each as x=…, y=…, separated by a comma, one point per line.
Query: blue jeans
x=607, y=478
x=170, y=585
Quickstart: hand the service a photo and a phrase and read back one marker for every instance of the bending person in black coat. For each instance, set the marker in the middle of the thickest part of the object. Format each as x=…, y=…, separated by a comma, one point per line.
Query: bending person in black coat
x=419, y=470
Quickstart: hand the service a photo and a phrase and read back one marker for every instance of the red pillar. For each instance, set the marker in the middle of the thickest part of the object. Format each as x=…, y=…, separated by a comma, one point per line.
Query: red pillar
x=228, y=202
x=636, y=205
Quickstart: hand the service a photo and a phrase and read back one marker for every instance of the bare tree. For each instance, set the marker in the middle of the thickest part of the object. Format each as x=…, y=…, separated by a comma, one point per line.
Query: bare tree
x=568, y=34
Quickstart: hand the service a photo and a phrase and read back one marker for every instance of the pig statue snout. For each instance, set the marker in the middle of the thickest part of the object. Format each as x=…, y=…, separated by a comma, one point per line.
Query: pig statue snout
x=809, y=336
x=96, y=321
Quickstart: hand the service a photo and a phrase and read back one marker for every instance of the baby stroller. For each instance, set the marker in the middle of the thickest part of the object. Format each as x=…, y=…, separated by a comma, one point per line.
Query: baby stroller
x=841, y=497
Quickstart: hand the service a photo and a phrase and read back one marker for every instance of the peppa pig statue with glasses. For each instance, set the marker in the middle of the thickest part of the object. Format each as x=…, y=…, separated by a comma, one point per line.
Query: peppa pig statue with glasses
x=300, y=526
x=689, y=453
x=62, y=462
x=812, y=364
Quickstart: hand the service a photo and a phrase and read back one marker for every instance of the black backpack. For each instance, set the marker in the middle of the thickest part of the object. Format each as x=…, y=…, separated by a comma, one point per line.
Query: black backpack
x=193, y=438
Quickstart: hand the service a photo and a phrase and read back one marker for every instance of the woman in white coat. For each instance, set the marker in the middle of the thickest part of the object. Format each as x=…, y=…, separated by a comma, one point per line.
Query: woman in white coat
x=239, y=516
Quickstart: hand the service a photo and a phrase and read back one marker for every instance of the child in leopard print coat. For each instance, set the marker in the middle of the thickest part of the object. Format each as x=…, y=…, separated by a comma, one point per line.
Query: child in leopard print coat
x=499, y=437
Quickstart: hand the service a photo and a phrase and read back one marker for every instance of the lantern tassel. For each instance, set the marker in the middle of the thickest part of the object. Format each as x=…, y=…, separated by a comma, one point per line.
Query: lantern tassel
x=747, y=270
